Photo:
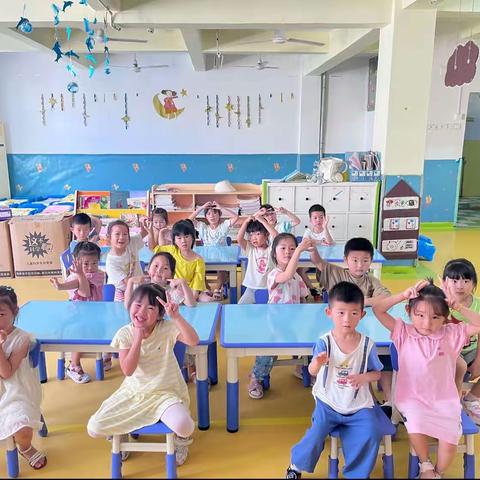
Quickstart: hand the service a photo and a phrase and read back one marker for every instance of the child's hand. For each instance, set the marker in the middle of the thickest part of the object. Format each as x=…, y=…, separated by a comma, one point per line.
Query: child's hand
x=77, y=267
x=3, y=336
x=171, y=308
x=412, y=292
x=306, y=245
x=139, y=333
x=357, y=380
x=450, y=297
x=314, y=255
x=325, y=222
x=474, y=369
x=55, y=282
x=208, y=204
x=281, y=210
x=321, y=359
x=176, y=282
x=147, y=224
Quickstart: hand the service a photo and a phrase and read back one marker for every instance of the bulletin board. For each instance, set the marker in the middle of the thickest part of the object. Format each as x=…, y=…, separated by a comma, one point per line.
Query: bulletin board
x=400, y=222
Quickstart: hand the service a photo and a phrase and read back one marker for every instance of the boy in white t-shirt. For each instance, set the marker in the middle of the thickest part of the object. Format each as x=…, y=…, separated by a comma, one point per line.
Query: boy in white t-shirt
x=317, y=231
x=257, y=249
x=345, y=362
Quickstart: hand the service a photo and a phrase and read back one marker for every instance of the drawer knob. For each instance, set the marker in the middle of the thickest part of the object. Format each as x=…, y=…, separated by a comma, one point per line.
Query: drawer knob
x=280, y=199
x=306, y=198
x=333, y=226
x=334, y=198
x=360, y=226
x=361, y=198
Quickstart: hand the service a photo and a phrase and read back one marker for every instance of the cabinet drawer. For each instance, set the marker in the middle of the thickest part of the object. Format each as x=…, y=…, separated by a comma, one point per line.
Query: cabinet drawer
x=305, y=197
x=360, y=225
x=335, y=198
x=300, y=228
x=281, y=197
x=337, y=224
x=362, y=199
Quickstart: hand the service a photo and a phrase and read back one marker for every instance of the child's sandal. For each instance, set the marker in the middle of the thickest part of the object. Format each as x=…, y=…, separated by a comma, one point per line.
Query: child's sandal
x=36, y=460
x=218, y=295
x=427, y=467
x=255, y=389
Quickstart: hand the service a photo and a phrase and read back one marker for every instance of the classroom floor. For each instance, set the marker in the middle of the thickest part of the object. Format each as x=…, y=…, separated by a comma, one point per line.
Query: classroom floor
x=268, y=427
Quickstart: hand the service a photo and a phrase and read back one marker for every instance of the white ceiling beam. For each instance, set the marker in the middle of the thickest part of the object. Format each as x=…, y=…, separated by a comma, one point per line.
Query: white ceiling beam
x=269, y=14
x=113, y=5
x=193, y=43
x=344, y=45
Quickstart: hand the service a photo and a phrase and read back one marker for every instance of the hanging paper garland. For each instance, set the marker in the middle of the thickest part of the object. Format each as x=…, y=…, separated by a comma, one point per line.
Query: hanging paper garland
x=52, y=101
x=126, y=118
x=281, y=97
x=106, y=61
x=237, y=113
x=56, y=11
x=208, y=110
x=85, y=116
x=229, y=108
x=217, y=113
x=248, y=121
x=42, y=111
x=260, y=108
x=73, y=99
x=62, y=105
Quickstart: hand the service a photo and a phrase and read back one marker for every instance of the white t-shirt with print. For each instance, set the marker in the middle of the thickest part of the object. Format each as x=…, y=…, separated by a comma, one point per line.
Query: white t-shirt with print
x=119, y=266
x=319, y=237
x=259, y=264
x=291, y=291
x=213, y=236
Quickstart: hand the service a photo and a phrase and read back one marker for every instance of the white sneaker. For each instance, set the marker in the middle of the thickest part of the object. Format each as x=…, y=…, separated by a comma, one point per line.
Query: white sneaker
x=181, y=448
x=77, y=374
x=472, y=407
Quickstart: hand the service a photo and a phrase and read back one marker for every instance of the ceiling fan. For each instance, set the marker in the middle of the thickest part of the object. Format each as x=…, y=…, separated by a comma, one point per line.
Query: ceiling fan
x=260, y=65
x=100, y=34
x=136, y=67
x=279, y=38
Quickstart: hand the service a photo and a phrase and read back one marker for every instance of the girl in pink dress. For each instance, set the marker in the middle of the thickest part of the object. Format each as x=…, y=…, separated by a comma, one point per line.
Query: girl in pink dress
x=428, y=348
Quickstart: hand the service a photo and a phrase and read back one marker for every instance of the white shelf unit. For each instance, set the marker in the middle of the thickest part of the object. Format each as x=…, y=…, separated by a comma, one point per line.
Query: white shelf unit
x=352, y=207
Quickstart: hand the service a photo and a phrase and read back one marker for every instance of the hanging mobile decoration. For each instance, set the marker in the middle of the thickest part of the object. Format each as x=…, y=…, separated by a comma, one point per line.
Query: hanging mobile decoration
x=248, y=121
x=237, y=113
x=104, y=97
x=281, y=97
x=62, y=104
x=52, y=101
x=85, y=115
x=260, y=108
x=217, y=113
x=115, y=96
x=106, y=61
x=229, y=108
x=271, y=95
x=58, y=51
x=83, y=2
x=66, y=5
x=291, y=96
x=43, y=111
x=95, y=97
x=208, y=110
x=126, y=118
x=91, y=71
x=56, y=11
x=73, y=99
x=24, y=24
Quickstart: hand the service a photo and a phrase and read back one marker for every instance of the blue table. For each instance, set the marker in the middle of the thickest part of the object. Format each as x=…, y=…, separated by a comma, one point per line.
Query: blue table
x=333, y=254
x=216, y=258
x=270, y=329
x=90, y=326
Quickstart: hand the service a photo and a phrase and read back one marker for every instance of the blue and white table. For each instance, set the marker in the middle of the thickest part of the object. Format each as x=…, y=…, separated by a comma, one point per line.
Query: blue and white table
x=269, y=329
x=90, y=326
x=216, y=258
x=333, y=254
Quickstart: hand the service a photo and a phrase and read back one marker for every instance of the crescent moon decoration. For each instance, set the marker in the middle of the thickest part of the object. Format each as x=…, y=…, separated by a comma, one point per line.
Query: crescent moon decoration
x=160, y=109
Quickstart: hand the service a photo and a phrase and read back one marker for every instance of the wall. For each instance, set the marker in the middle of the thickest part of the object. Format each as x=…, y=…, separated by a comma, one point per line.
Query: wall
x=471, y=149
x=65, y=153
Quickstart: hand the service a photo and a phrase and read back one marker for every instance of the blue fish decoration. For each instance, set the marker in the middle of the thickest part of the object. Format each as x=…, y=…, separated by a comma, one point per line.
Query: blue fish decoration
x=69, y=33
x=91, y=71
x=71, y=54
x=83, y=2
x=66, y=5
x=71, y=70
x=24, y=25
x=90, y=43
x=86, y=25
x=90, y=57
x=56, y=48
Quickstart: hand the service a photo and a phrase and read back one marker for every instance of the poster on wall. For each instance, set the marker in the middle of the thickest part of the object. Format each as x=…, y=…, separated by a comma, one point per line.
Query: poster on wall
x=400, y=222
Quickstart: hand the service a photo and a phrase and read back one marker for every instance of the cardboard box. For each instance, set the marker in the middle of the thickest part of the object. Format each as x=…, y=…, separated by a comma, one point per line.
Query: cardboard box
x=6, y=261
x=37, y=243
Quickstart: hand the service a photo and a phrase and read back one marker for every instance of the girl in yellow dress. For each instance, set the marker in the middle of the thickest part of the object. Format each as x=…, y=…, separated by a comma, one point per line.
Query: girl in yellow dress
x=154, y=388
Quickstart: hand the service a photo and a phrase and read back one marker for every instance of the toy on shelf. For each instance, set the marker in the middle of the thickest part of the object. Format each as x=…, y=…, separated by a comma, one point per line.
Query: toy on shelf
x=426, y=248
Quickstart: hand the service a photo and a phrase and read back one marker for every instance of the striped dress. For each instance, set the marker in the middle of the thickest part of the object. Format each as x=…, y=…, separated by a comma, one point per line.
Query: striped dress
x=155, y=385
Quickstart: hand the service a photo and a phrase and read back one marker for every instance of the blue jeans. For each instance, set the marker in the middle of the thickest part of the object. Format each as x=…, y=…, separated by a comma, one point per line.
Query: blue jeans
x=359, y=434
x=262, y=367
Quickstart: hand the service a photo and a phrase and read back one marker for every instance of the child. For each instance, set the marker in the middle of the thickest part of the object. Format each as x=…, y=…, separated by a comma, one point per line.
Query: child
x=284, y=286
x=258, y=252
x=318, y=231
x=358, y=255
x=20, y=390
x=461, y=276
x=81, y=227
x=161, y=271
x=214, y=233
x=270, y=215
x=154, y=388
x=122, y=259
x=345, y=363
x=84, y=284
x=428, y=348
x=189, y=265
x=157, y=227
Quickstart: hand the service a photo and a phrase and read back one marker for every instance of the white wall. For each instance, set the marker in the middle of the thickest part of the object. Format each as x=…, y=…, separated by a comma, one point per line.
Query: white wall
x=25, y=76
x=349, y=126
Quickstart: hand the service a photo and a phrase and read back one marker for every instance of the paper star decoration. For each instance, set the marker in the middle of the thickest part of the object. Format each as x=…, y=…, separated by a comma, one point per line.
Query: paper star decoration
x=248, y=122
x=126, y=119
x=217, y=116
x=183, y=92
x=208, y=109
x=229, y=107
x=52, y=101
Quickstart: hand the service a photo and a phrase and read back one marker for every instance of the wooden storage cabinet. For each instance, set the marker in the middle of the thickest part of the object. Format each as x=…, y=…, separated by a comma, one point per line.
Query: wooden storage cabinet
x=351, y=207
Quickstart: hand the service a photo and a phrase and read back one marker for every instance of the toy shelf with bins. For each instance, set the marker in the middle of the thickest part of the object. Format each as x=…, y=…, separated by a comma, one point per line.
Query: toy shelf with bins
x=97, y=202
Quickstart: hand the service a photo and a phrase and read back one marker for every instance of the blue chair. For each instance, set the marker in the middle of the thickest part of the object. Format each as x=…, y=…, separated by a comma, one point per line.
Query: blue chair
x=158, y=428
x=469, y=430
x=387, y=430
x=108, y=292
x=261, y=296
x=12, y=453
x=66, y=261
